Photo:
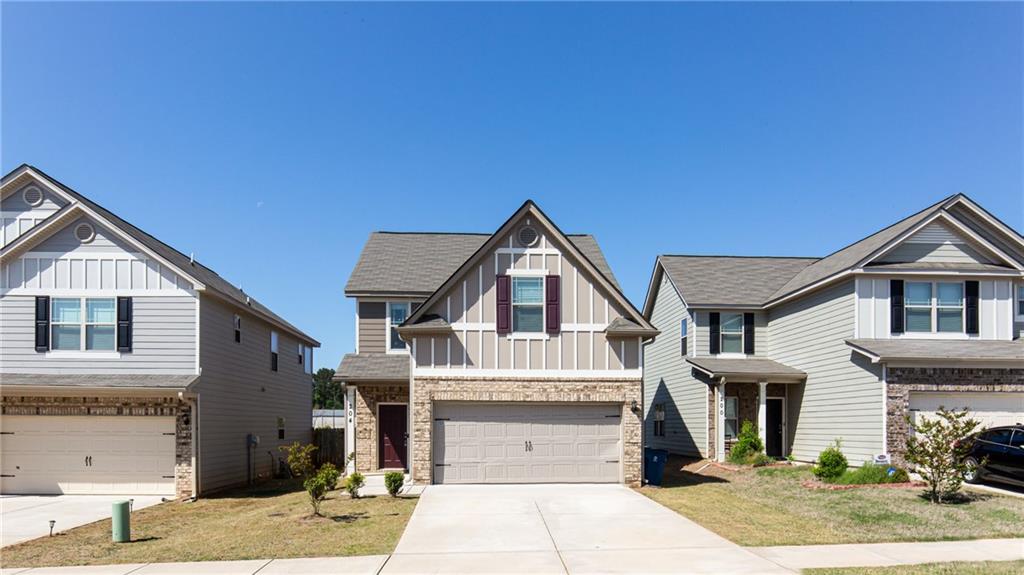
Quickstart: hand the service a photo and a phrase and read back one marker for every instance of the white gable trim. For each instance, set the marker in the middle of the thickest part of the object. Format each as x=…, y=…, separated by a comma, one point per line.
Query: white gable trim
x=992, y=221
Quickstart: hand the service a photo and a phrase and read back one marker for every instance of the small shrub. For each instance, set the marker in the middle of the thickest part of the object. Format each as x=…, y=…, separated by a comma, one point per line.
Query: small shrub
x=831, y=463
x=938, y=450
x=871, y=474
x=747, y=445
x=318, y=484
x=353, y=483
x=300, y=458
x=393, y=481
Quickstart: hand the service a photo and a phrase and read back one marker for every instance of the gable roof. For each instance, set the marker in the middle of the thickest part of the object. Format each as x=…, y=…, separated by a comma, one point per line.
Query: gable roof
x=185, y=265
x=416, y=263
x=605, y=280
x=737, y=281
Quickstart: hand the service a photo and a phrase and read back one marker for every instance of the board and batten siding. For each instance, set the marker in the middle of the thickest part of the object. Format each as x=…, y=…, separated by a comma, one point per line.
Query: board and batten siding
x=842, y=398
x=239, y=394
x=475, y=345
x=163, y=340
x=17, y=216
x=669, y=380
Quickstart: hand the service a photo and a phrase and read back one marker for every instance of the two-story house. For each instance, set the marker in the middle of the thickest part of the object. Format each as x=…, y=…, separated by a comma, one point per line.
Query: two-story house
x=127, y=367
x=510, y=357
x=924, y=313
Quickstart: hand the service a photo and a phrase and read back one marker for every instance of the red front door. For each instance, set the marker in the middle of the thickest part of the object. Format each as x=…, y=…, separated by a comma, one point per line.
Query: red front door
x=393, y=427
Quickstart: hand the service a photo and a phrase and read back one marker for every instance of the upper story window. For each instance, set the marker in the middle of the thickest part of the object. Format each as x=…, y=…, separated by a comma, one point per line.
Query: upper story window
x=528, y=304
x=273, y=351
x=934, y=307
x=732, y=333
x=83, y=324
x=306, y=358
x=398, y=312
x=682, y=337
x=238, y=328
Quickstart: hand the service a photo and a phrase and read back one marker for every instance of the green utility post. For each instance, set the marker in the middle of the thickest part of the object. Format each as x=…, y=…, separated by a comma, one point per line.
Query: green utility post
x=121, y=522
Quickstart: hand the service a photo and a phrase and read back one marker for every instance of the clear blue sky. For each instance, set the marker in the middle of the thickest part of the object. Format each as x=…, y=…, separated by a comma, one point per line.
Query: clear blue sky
x=270, y=139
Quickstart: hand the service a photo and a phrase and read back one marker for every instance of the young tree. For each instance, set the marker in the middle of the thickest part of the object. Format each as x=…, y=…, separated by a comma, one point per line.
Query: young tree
x=938, y=449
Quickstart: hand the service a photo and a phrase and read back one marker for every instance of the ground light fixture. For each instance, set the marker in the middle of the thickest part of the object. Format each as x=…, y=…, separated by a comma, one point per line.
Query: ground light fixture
x=52, y=523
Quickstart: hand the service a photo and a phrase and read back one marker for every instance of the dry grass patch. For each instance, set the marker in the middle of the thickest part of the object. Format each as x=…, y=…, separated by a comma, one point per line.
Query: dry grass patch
x=272, y=520
x=956, y=568
x=768, y=506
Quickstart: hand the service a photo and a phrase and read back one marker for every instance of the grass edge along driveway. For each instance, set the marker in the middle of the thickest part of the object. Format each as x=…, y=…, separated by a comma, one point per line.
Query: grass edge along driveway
x=768, y=506
x=269, y=520
x=955, y=568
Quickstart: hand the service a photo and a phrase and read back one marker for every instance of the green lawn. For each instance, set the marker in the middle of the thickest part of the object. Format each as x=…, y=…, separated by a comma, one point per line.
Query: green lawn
x=272, y=520
x=768, y=506
x=959, y=568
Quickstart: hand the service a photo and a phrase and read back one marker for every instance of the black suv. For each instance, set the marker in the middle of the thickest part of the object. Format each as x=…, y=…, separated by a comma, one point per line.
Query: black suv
x=1002, y=450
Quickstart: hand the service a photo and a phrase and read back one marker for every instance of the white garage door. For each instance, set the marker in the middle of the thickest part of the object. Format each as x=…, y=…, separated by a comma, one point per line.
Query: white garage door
x=991, y=409
x=87, y=455
x=526, y=443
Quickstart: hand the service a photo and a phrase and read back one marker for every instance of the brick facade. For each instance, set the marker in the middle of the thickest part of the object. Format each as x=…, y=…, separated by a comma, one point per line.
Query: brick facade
x=368, y=397
x=901, y=381
x=115, y=406
x=748, y=400
x=619, y=391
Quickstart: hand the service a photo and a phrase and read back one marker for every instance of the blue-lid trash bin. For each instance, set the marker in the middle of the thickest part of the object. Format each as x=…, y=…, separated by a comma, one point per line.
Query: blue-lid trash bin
x=654, y=465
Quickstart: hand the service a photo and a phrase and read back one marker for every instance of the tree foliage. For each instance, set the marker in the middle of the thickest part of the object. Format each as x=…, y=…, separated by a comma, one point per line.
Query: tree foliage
x=326, y=393
x=300, y=458
x=938, y=449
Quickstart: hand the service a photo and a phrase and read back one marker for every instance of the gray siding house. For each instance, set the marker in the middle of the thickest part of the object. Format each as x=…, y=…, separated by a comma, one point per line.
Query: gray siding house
x=127, y=367
x=923, y=314
x=509, y=357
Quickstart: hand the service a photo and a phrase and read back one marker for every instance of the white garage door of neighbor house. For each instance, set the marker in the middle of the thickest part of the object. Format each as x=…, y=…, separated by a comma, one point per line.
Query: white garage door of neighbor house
x=527, y=443
x=87, y=455
x=992, y=409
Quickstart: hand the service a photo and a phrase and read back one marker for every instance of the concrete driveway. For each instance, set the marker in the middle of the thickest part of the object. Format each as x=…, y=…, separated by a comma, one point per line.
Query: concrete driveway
x=559, y=529
x=24, y=517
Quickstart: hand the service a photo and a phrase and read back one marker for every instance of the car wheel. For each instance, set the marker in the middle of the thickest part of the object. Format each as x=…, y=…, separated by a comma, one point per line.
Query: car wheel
x=972, y=473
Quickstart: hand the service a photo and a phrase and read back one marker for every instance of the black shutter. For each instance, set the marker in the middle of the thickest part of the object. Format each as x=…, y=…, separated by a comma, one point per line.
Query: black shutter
x=896, y=306
x=503, y=304
x=716, y=333
x=552, y=304
x=124, y=324
x=971, y=306
x=748, y=333
x=42, y=323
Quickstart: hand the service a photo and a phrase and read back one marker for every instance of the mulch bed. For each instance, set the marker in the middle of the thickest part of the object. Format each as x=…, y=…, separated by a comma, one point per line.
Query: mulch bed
x=815, y=484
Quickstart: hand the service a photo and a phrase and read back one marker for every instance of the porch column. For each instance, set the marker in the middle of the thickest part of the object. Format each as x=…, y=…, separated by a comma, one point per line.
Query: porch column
x=762, y=417
x=350, y=428
x=720, y=422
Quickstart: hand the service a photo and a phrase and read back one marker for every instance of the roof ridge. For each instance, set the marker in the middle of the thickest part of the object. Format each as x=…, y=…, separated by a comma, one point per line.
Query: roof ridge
x=738, y=257
x=435, y=233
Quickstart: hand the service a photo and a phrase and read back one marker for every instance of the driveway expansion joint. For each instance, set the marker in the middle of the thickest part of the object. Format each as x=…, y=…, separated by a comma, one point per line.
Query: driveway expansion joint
x=553, y=542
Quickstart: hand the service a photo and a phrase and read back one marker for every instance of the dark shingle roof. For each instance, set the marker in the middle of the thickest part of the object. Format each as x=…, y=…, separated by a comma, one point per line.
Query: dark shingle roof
x=941, y=349
x=169, y=382
x=751, y=367
x=730, y=280
x=208, y=277
x=418, y=263
x=356, y=367
x=623, y=327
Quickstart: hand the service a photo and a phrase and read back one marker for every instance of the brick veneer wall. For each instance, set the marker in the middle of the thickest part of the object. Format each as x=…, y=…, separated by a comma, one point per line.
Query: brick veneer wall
x=748, y=395
x=126, y=406
x=901, y=381
x=620, y=391
x=367, y=398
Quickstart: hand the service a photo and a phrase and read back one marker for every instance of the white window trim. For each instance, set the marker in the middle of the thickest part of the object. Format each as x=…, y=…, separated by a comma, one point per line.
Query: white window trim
x=1018, y=295
x=725, y=416
x=721, y=340
x=934, y=307
x=82, y=324
x=542, y=334
x=387, y=326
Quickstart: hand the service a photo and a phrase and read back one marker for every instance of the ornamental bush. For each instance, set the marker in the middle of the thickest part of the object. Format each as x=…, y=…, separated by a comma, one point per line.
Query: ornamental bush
x=353, y=483
x=831, y=462
x=938, y=450
x=393, y=481
x=318, y=484
x=871, y=474
x=748, y=446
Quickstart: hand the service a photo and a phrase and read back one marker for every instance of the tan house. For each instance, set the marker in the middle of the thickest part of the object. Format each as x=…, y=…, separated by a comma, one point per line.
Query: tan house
x=128, y=367
x=510, y=357
x=924, y=313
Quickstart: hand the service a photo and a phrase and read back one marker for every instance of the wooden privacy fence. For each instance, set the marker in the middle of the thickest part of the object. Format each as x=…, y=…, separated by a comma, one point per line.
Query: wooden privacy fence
x=330, y=446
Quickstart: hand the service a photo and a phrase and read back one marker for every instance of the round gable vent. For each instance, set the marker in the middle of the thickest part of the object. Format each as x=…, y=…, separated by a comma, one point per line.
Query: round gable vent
x=32, y=195
x=85, y=233
x=527, y=236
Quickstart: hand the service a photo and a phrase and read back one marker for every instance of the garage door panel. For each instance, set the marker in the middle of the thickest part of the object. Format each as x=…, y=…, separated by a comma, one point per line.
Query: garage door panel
x=992, y=409
x=48, y=455
x=527, y=443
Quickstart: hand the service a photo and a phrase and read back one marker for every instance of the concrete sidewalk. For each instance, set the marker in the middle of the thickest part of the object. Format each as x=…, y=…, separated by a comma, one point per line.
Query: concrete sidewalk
x=797, y=557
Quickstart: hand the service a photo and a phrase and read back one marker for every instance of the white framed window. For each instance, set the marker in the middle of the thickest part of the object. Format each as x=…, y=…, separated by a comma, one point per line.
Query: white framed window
x=527, y=304
x=731, y=328
x=1020, y=302
x=398, y=312
x=683, y=348
x=934, y=307
x=273, y=351
x=659, y=420
x=731, y=417
x=238, y=328
x=306, y=358
x=83, y=324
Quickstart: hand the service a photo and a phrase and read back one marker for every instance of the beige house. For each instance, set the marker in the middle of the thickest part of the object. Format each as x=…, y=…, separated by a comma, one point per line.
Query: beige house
x=127, y=367
x=924, y=313
x=510, y=357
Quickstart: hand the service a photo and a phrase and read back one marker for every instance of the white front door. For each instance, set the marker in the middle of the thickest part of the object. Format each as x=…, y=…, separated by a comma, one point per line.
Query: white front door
x=87, y=455
x=992, y=409
x=527, y=443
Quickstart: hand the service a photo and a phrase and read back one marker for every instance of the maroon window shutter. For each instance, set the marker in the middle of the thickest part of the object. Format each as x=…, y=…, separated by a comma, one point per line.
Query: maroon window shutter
x=553, y=307
x=503, y=291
